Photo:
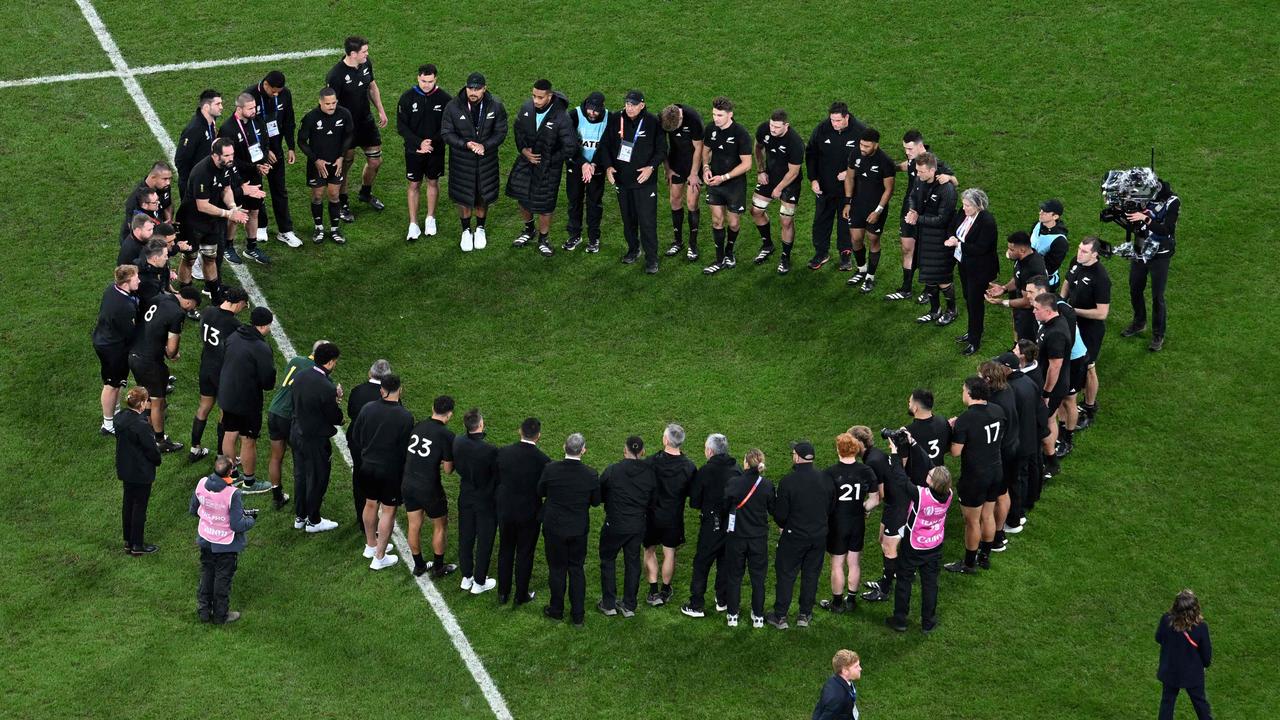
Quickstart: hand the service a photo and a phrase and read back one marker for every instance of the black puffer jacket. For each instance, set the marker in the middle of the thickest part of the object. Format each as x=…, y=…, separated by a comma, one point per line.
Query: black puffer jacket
x=472, y=175
x=936, y=204
x=536, y=187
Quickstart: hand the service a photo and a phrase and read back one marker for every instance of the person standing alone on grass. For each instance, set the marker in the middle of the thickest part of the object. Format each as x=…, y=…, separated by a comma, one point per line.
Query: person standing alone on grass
x=1185, y=653
x=220, y=535
x=839, y=697
x=137, y=458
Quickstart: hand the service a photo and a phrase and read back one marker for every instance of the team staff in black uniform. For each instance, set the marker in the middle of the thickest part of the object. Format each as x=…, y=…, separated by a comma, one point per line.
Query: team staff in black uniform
x=627, y=489
x=474, y=126
x=275, y=109
x=217, y=324
x=379, y=436
x=806, y=498
x=683, y=127
x=140, y=231
x=159, y=180
x=112, y=335
x=584, y=181
x=325, y=135
x=248, y=371
x=544, y=141
x=726, y=160
x=631, y=157
x=707, y=496
x=418, y=118
x=316, y=415
x=520, y=467
x=1088, y=289
x=867, y=190
x=366, y=392
x=973, y=239
x=1027, y=396
x=352, y=78
x=855, y=485
x=153, y=271
x=208, y=203
x=197, y=137
x=913, y=145
x=253, y=161
x=153, y=343
x=137, y=458
x=1157, y=223
x=976, y=438
x=749, y=498
x=1027, y=263
x=568, y=489
x=665, y=526
x=826, y=164
x=429, y=456
x=779, y=156
x=477, y=464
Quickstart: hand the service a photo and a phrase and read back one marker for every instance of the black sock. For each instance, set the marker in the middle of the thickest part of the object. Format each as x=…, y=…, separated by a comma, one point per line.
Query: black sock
x=211, y=287
x=335, y=209
x=766, y=233
x=907, y=275
x=159, y=436
x=466, y=224
x=984, y=549
x=438, y=559
x=786, y=250
x=934, y=302
x=717, y=234
x=873, y=261
x=949, y=292
x=342, y=199
x=366, y=191
x=248, y=478
x=666, y=588
x=542, y=238
x=317, y=214
x=970, y=557
x=677, y=224
x=694, y=216
x=653, y=588
x=277, y=494
x=197, y=431
x=220, y=432
x=1066, y=435
x=890, y=568
x=1000, y=536
x=479, y=221
x=837, y=599
x=1089, y=410
x=417, y=560
x=528, y=227
x=860, y=254
x=733, y=239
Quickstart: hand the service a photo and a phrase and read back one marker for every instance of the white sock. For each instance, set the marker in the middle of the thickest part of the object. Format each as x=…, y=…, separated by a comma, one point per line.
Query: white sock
x=108, y=423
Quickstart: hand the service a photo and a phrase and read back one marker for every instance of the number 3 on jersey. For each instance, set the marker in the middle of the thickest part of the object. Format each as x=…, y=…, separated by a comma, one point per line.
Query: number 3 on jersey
x=934, y=450
x=419, y=446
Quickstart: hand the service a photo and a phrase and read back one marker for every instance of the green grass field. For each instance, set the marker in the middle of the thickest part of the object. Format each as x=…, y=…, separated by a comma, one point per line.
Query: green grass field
x=1027, y=102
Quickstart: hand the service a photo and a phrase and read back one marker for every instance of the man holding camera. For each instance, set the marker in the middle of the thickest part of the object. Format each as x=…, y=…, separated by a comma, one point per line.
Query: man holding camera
x=221, y=536
x=1156, y=225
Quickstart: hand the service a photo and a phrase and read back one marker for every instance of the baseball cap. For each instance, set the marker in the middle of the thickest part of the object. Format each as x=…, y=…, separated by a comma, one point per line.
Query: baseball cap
x=804, y=449
x=475, y=81
x=635, y=444
x=1052, y=205
x=594, y=101
x=1008, y=360
x=261, y=316
x=634, y=97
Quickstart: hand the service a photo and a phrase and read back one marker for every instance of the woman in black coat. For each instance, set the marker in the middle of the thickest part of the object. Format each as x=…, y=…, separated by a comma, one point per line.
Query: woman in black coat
x=137, y=457
x=973, y=239
x=1185, y=652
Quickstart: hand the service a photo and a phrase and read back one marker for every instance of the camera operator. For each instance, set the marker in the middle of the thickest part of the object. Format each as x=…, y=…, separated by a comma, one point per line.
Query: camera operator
x=1088, y=290
x=925, y=529
x=894, y=493
x=221, y=536
x=1156, y=223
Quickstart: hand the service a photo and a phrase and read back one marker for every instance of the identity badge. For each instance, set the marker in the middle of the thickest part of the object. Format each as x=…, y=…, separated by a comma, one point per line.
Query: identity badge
x=255, y=153
x=624, y=153
x=273, y=128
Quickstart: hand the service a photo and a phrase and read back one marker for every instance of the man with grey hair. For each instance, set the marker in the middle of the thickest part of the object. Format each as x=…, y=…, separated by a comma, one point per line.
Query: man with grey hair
x=361, y=395
x=568, y=490
x=707, y=496
x=665, y=525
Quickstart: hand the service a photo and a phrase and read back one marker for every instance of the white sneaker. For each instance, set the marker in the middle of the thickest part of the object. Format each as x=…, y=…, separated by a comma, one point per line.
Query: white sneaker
x=467, y=582
x=1012, y=529
x=757, y=621
x=721, y=608
x=197, y=270
x=481, y=240
x=299, y=523
x=385, y=561
x=325, y=525
x=731, y=620
x=414, y=233
x=467, y=242
x=262, y=234
x=371, y=550
x=429, y=226
x=288, y=238
x=484, y=587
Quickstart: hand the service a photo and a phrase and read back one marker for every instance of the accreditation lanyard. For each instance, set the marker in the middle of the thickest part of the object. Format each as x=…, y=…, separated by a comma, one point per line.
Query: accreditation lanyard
x=624, y=153
x=255, y=148
x=733, y=516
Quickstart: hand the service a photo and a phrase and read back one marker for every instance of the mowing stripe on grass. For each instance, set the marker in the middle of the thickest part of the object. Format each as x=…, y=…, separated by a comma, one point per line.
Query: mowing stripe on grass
x=450, y=623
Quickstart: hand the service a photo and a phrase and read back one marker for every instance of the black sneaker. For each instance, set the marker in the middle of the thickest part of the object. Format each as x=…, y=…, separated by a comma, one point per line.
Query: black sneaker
x=571, y=244
x=345, y=215
x=419, y=569
x=692, y=611
x=729, y=261
x=522, y=239
x=372, y=201
x=442, y=571
x=927, y=318
x=1157, y=344
x=876, y=595
x=876, y=584
x=337, y=237
x=674, y=250
x=168, y=445
x=655, y=599
x=869, y=284
x=232, y=256
x=593, y=246
x=947, y=318
x=895, y=625
x=1083, y=422
x=846, y=263
x=257, y=255
x=1133, y=329
x=1002, y=544
x=962, y=339
x=818, y=261
x=550, y=614
x=922, y=298
x=630, y=258
x=774, y=620
x=713, y=268
x=984, y=562
x=856, y=279
x=317, y=236
x=545, y=248
x=693, y=254
x=140, y=550
x=764, y=254
x=665, y=595
x=960, y=567
x=784, y=266
x=1063, y=449
x=651, y=268
x=803, y=620
x=605, y=610
x=280, y=502
x=897, y=295
x=197, y=454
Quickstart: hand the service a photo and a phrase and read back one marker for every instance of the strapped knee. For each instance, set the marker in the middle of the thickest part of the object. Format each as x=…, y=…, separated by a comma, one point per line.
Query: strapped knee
x=787, y=210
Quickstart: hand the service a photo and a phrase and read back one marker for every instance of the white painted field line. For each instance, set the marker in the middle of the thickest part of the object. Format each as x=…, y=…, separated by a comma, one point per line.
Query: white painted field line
x=50, y=79
x=247, y=59
x=450, y=623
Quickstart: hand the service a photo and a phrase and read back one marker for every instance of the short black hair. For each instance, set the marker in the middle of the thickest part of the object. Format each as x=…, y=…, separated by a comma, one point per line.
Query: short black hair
x=442, y=405
x=235, y=295
x=326, y=353
x=1019, y=237
x=427, y=69
x=779, y=115
x=390, y=383
x=530, y=428
x=912, y=136
x=189, y=292
x=328, y=92
x=471, y=419
x=722, y=104
x=923, y=398
x=838, y=108
x=353, y=44
x=977, y=387
x=542, y=84
x=1040, y=281
x=275, y=79
x=220, y=146
x=164, y=230
x=209, y=95
x=871, y=135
